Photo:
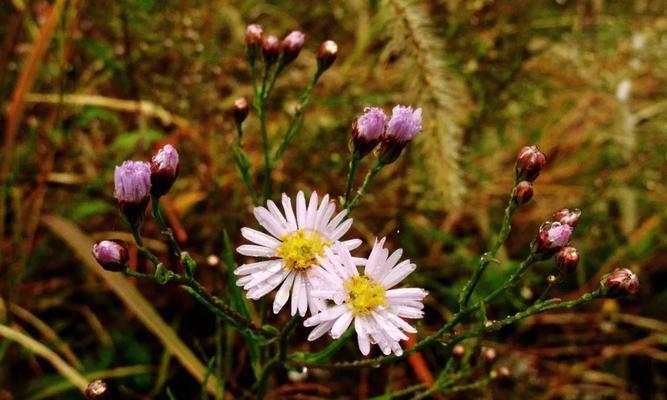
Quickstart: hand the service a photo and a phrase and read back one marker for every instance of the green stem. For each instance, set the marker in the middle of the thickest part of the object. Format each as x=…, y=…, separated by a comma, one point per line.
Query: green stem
x=364, y=186
x=243, y=165
x=292, y=129
x=354, y=162
x=261, y=110
x=141, y=247
x=278, y=359
x=486, y=259
x=274, y=77
x=166, y=231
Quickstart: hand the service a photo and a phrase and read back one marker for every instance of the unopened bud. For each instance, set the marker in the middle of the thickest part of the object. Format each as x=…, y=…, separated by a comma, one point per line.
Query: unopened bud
x=327, y=55
x=241, y=110
x=567, y=260
x=164, y=170
x=620, y=282
x=367, y=131
x=552, y=279
x=504, y=373
x=97, y=390
x=529, y=163
x=111, y=255
x=253, y=41
x=132, y=187
x=458, y=351
x=489, y=354
x=404, y=125
x=292, y=45
x=270, y=49
x=551, y=237
x=567, y=216
x=523, y=192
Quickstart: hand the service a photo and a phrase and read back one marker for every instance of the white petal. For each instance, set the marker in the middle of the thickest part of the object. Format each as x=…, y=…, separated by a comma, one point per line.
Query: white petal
x=311, y=212
x=400, y=323
x=327, y=315
x=398, y=274
x=303, y=295
x=289, y=213
x=341, y=230
x=320, y=211
x=283, y=293
x=323, y=220
x=362, y=336
x=414, y=294
x=352, y=243
x=246, y=269
x=301, y=209
x=256, y=251
x=336, y=220
x=270, y=222
x=407, y=312
x=275, y=211
x=260, y=238
x=341, y=324
x=267, y=286
x=296, y=293
x=393, y=259
x=320, y=330
x=394, y=333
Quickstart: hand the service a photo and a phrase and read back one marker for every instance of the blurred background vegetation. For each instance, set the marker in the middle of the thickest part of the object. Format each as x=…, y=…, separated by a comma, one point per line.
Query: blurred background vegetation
x=86, y=85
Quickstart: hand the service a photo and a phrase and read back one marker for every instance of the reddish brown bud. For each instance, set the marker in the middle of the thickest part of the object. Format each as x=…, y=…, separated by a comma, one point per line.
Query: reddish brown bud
x=552, y=280
x=489, y=354
x=620, y=282
x=523, y=192
x=270, y=49
x=458, y=351
x=567, y=260
x=327, y=55
x=253, y=35
x=567, y=216
x=292, y=45
x=97, y=390
x=504, y=373
x=529, y=163
x=164, y=170
x=241, y=110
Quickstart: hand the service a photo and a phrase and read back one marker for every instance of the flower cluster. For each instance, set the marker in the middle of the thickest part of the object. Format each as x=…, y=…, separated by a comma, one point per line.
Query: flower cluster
x=310, y=263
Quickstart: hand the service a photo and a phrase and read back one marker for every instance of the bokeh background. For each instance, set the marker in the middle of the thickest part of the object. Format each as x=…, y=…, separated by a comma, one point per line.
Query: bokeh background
x=86, y=85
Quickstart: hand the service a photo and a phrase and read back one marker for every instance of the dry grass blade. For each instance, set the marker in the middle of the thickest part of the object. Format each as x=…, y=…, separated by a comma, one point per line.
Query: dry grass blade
x=132, y=298
x=58, y=363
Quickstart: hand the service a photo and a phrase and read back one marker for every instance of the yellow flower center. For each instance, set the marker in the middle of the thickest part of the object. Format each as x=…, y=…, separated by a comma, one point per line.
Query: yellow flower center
x=365, y=294
x=300, y=249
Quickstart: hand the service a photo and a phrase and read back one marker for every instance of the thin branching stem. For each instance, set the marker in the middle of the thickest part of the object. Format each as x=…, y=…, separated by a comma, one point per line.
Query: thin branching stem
x=377, y=166
x=166, y=231
x=354, y=162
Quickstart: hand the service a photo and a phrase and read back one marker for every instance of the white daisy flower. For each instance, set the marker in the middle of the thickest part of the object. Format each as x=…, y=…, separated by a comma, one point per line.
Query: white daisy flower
x=369, y=300
x=295, y=244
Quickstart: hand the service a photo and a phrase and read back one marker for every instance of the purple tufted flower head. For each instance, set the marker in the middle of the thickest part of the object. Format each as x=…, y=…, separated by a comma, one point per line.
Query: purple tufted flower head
x=367, y=130
x=111, y=255
x=551, y=238
x=404, y=125
x=132, y=186
x=292, y=45
x=164, y=170
x=620, y=282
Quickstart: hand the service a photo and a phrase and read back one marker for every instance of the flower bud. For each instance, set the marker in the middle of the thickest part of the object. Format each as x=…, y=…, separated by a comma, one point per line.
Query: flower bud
x=551, y=238
x=567, y=216
x=111, y=255
x=97, y=390
x=620, y=282
x=552, y=279
x=489, y=354
x=270, y=49
x=567, y=260
x=458, y=351
x=529, y=163
x=404, y=125
x=523, y=192
x=292, y=45
x=327, y=55
x=241, y=110
x=164, y=170
x=253, y=40
x=367, y=131
x=132, y=186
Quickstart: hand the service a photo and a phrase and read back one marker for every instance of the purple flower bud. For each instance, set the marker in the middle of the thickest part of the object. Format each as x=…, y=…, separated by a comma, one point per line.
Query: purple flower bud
x=241, y=110
x=523, y=192
x=292, y=45
x=529, y=163
x=620, y=282
x=550, y=239
x=404, y=125
x=270, y=49
x=567, y=260
x=327, y=55
x=132, y=186
x=567, y=216
x=111, y=255
x=367, y=130
x=253, y=41
x=164, y=170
